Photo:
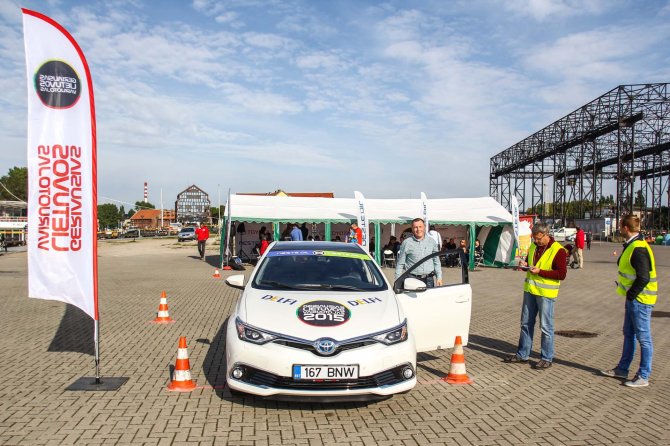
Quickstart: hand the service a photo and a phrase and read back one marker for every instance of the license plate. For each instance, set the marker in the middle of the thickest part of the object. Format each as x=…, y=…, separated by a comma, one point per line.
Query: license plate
x=325, y=372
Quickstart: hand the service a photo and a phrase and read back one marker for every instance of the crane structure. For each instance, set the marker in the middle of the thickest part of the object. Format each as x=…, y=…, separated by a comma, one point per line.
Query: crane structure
x=621, y=137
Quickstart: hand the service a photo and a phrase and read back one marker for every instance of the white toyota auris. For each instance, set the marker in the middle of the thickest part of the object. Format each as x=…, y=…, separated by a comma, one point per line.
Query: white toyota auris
x=320, y=320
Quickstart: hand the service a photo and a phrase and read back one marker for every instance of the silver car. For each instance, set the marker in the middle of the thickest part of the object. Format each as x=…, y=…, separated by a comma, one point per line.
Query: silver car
x=186, y=234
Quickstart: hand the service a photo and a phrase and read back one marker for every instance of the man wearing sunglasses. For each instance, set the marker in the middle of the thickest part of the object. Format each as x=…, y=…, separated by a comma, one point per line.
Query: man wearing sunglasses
x=546, y=266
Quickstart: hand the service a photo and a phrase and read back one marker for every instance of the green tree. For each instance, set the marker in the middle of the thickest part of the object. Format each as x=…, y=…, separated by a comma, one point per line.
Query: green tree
x=122, y=213
x=131, y=213
x=217, y=211
x=142, y=205
x=108, y=215
x=16, y=182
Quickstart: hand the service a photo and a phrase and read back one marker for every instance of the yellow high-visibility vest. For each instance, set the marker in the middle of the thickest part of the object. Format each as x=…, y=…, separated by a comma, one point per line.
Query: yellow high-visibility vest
x=627, y=274
x=542, y=286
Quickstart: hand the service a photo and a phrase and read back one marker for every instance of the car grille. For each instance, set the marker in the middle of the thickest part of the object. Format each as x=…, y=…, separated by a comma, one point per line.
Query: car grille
x=310, y=347
x=261, y=378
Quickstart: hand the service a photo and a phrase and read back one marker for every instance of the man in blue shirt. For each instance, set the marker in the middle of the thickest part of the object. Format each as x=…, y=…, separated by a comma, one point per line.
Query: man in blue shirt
x=416, y=248
x=296, y=233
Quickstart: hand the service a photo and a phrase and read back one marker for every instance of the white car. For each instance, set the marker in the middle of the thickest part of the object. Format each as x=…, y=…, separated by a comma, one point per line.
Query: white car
x=318, y=320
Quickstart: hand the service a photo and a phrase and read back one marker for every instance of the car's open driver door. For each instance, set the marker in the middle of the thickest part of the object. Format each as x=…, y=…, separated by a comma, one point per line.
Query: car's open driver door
x=437, y=315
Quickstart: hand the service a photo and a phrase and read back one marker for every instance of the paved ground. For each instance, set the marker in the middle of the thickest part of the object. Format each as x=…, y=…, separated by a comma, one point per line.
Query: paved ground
x=46, y=346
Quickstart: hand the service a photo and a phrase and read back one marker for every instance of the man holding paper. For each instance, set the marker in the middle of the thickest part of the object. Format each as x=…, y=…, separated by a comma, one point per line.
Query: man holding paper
x=546, y=266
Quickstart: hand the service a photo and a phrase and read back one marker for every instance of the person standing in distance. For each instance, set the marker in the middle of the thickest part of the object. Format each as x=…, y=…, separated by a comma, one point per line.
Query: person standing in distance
x=355, y=234
x=580, y=240
x=416, y=248
x=637, y=282
x=202, y=233
x=546, y=264
x=296, y=233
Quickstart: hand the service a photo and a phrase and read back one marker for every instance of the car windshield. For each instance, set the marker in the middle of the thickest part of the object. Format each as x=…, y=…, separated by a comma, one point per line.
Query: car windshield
x=318, y=270
x=188, y=230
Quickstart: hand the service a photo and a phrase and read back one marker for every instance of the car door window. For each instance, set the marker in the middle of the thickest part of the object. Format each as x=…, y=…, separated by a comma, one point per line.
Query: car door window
x=437, y=315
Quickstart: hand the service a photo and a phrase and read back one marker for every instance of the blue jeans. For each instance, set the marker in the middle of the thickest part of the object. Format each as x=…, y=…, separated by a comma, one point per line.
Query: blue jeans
x=637, y=326
x=532, y=305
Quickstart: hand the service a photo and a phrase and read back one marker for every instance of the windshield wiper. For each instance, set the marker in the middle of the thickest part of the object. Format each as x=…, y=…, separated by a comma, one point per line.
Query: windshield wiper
x=325, y=286
x=281, y=285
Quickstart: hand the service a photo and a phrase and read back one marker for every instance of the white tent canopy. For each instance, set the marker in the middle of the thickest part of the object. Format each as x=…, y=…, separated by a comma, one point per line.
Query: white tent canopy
x=483, y=217
x=484, y=211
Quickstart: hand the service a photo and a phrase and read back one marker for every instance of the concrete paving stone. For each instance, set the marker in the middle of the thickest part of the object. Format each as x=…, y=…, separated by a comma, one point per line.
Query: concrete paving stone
x=506, y=404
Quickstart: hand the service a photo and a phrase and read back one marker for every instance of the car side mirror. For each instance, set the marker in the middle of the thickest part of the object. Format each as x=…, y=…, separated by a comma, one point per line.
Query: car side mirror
x=411, y=284
x=236, y=281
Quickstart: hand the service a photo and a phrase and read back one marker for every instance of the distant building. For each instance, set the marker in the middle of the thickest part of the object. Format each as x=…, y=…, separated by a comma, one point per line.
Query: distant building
x=146, y=219
x=281, y=193
x=14, y=221
x=192, y=205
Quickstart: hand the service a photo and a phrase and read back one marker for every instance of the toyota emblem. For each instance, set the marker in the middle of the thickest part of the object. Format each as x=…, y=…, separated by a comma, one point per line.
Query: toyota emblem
x=325, y=346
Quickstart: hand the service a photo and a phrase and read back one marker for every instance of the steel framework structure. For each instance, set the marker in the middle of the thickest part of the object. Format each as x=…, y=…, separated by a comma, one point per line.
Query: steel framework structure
x=624, y=135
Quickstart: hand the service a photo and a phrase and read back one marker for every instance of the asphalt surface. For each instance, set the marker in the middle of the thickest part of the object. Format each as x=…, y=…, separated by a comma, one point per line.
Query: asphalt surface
x=47, y=345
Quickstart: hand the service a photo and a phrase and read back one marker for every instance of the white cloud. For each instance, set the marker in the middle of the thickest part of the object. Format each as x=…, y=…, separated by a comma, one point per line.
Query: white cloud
x=542, y=10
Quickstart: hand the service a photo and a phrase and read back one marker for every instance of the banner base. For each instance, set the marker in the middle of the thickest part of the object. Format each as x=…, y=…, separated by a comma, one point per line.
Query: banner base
x=88, y=384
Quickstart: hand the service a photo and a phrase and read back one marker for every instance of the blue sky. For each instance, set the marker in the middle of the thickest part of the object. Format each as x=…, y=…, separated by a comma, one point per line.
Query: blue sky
x=389, y=98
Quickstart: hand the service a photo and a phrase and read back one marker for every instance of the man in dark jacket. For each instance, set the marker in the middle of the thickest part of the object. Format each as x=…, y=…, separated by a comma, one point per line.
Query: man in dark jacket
x=637, y=282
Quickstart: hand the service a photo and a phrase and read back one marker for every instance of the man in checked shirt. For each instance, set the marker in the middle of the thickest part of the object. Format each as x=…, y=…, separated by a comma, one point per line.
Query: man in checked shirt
x=416, y=248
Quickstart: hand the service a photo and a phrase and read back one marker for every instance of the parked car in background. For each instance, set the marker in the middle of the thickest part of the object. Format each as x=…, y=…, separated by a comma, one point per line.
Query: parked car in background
x=131, y=233
x=186, y=234
x=564, y=234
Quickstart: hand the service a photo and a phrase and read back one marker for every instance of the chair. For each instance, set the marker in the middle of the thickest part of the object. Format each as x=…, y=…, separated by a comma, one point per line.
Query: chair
x=479, y=258
x=389, y=258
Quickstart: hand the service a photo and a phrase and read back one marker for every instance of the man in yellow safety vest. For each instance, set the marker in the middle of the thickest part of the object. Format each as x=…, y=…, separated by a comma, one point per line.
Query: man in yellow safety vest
x=546, y=266
x=637, y=282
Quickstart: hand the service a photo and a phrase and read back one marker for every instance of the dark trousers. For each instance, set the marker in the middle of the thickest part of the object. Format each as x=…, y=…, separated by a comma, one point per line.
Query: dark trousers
x=429, y=281
x=201, y=248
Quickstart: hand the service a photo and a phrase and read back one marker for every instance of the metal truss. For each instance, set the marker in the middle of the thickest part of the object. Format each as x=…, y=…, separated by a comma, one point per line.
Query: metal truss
x=622, y=137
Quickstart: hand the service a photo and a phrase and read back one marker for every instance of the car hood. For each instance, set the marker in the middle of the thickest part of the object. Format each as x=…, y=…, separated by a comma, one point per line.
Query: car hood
x=311, y=315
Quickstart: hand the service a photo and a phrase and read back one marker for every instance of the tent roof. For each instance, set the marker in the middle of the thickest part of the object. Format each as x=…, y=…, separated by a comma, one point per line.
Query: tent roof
x=262, y=209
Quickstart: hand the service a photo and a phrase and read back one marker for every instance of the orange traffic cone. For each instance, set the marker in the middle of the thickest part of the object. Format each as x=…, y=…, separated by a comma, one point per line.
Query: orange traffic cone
x=163, y=317
x=181, y=379
x=216, y=274
x=457, y=374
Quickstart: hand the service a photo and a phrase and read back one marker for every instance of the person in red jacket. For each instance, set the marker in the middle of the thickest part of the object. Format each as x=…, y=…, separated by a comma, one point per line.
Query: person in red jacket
x=580, y=239
x=355, y=234
x=267, y=238
x=203, y=234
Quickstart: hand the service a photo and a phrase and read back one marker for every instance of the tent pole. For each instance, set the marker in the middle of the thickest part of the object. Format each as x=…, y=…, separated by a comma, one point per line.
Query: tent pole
x=328, y=232
x=471, y=250
x=378, y=240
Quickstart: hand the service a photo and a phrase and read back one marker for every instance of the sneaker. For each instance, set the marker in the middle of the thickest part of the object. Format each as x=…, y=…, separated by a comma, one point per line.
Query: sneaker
x=614, y=373
x=638, y=381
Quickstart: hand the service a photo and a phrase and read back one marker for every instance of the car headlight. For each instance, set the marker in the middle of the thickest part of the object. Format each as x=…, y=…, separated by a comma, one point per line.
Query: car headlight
x=394, y=335
x=251, y=334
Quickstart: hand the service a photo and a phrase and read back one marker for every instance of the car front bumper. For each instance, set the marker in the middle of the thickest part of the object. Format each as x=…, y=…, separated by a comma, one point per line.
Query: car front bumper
x=268, y=369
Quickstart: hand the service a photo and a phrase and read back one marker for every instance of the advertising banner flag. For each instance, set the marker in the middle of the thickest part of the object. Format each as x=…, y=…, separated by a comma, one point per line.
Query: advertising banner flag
x=362, y=219
x=62, y=176
x=424, y=210
x=515, y=219
x=228, y=227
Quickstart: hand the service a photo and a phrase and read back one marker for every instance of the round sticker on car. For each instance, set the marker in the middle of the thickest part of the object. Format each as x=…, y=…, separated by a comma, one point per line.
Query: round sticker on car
x=323, y=313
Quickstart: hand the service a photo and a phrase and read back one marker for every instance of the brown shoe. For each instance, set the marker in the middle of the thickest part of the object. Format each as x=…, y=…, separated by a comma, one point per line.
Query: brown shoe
x=542, y=364
x=514, y=359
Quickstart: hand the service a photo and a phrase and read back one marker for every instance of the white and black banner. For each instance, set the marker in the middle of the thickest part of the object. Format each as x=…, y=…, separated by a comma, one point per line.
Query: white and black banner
x=62, y=183
x=362, y=219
